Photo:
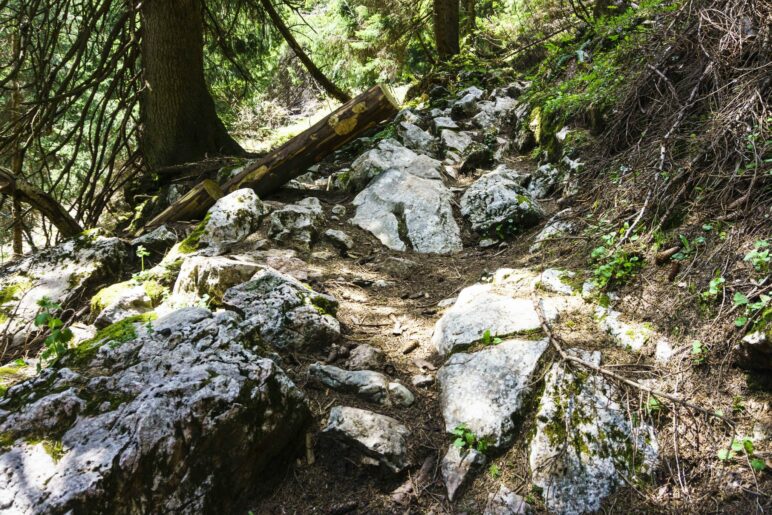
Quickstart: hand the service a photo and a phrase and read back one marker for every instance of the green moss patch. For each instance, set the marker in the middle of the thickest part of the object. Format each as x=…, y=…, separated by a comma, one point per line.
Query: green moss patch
x=115, y=334
x=193, y=241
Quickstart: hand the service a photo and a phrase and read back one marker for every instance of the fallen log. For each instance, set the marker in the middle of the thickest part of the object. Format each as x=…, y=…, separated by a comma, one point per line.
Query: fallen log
x=269, y=173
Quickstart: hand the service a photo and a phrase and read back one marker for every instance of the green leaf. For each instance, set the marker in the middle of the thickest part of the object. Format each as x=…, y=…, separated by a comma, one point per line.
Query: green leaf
x=707, y=227
x=42, y=319
x=748, y=445
x=458, y=442
x=758, y=464
x=737, y=446
x=740, y=321
x=740, y=299
x=724, y=454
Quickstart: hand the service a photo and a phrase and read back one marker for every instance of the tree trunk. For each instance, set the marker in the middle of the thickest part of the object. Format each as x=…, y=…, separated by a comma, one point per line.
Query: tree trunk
x=446, y=28
x=269, y=173
x=180, y=124
x=315, y=72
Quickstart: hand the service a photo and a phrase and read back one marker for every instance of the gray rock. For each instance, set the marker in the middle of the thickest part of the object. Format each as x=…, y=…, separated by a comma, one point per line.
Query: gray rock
x=476, y=156
x=157, y=241
x=557, y=281
x=131, y=300
x=369, y=385
x=465, y=107
x=399, y=395
x=339, y=239
x=364, y=357
x=754, y=351
x=457, y=467
x=390, y=155
x=457, y=141
x=297, y=224
x=65, y=274
x=556, y=226
x=285, y=313
x=506, y=502
x=501, y=308
x=403, y=209
x=626, y=334
x=543, y=181
x=441, y=123
x=338, y=210
x=472, y=91
x=184, y=424
x=372, y=439
x=496, y=203
x=415, y=138
x=422, y=380
x=210, y=277
x=397, y=266
x=485, y=391
x=584, y=442
x=231, y=219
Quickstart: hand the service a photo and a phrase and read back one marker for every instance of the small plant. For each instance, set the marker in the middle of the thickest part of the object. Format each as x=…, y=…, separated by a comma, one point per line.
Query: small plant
x=614, y=268
x=738, y=406
x=751, y=310
x=743, y=447
x=653, y=405
x=688, y=248
x=715, y=287
x=488, y=339
x=699, y=352
x=142, y=253
x=55, y=344
x=494, y=471
x=466, y=439
x=759, y=257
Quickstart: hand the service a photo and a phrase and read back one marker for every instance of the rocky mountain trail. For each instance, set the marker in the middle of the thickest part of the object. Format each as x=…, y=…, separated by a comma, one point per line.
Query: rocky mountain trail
x=375, y=315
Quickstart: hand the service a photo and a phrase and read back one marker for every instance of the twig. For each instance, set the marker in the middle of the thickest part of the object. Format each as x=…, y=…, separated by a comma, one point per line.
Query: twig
x=555, y=341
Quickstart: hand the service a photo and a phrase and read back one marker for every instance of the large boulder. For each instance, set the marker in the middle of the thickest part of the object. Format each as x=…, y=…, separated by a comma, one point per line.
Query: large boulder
x=181, y=419
x=484, y=391
x=231, y=219
x=370, y=438
x=499, y=308
x=585, y=444
x=497, y=204
x=285, y=313
x=297, y=224
x=64, y=274
x=204, y=277
x=390, y=155
x=406, y=210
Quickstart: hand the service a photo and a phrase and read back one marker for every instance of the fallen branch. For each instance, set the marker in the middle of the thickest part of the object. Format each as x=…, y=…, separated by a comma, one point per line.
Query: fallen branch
x=555, y=341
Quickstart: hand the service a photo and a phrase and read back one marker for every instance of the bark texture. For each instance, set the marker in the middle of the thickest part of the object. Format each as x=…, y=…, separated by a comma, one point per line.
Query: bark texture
x=446, y=27
x=180, y=124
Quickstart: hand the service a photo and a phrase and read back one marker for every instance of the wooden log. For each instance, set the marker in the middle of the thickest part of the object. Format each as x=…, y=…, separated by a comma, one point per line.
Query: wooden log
x=269, y=173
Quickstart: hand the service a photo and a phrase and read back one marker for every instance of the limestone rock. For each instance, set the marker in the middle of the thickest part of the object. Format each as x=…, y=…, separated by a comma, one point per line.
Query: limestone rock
x=157, y=242
x=390, y=155
x=370, y=438
x=584, y=441
x=506, y=502
x=129, y=301
x=628, y=335
x=457, y=141
x=457, y=466
x=557, y=281
x=755, y=351
x=440, y=123
x=496, y=203
x=499, y=308
x=339, y=239
x=403, y=209
x=556, y=226
x=154, y=424
x=484, y=391
x=297, y=224
x=231, y=219
x=364, y=357
x=202, y=276
x=415, y=138
x=64, y=274
x=543, y=181
x=285, y=313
